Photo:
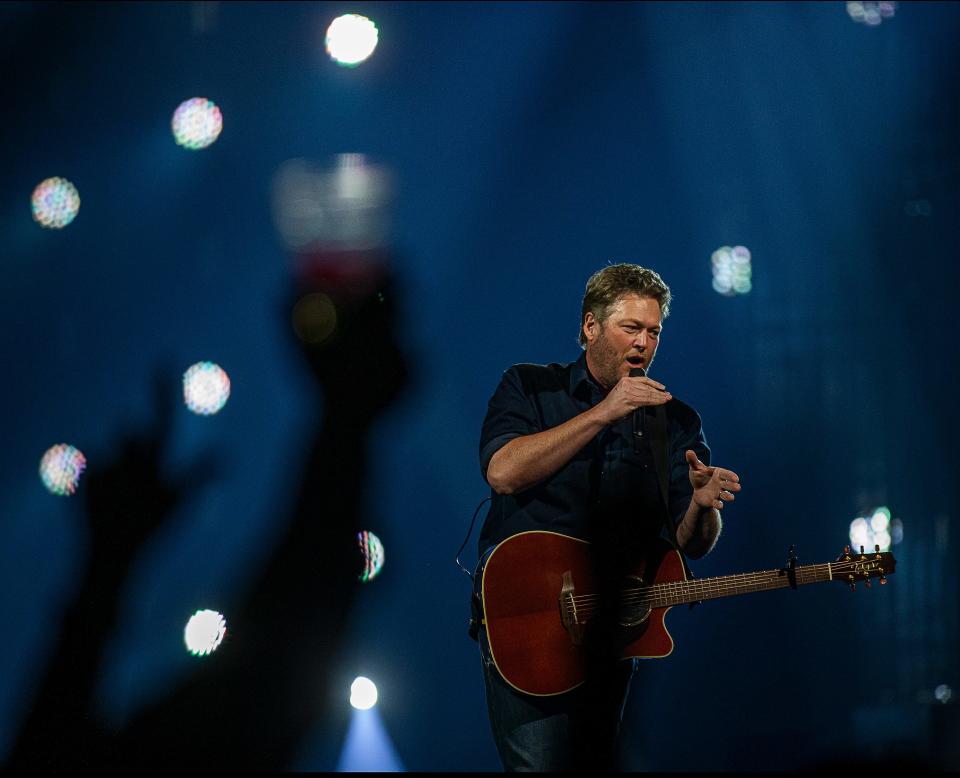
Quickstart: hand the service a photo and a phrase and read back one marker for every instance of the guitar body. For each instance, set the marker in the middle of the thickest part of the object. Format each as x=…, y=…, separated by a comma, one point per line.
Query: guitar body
x=535, y=590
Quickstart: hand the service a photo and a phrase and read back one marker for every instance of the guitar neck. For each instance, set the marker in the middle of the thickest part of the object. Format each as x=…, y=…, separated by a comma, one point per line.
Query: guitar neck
x=680, y=592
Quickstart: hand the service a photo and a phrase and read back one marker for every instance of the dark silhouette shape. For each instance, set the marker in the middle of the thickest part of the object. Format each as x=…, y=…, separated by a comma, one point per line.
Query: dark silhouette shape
x=126, y=500
x=253, y=704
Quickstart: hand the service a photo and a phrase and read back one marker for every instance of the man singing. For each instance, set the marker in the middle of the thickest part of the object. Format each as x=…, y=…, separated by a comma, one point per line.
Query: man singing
x=597, y=450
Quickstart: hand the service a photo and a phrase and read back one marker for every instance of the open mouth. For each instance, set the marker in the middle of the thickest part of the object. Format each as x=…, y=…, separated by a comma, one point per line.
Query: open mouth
x=635, y=361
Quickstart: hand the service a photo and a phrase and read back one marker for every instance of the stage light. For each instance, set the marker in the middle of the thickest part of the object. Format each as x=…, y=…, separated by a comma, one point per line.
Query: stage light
x=204, y=632
x=206, y=388
x=55, y=203
x=341, y=205
x=196, y=123
x=943, y=693
x=875, y=529
x=363, y=693
x=880, y=519
x=367, y=747
x=859, y=534
x=314, y=317
x=351, y=39
x=871, y=13
x=60, y=469
x=731, y=270
x=372, y=550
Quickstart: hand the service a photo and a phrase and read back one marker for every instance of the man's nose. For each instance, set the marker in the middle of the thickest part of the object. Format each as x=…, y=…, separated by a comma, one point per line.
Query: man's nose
x=640, y=340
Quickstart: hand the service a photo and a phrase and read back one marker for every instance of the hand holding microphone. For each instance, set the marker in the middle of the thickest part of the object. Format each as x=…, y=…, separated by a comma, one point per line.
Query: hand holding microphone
x=638, y=414
x=630, y=394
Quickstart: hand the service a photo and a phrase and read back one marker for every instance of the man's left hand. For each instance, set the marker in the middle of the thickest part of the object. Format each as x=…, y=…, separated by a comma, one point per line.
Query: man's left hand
x=712, y=486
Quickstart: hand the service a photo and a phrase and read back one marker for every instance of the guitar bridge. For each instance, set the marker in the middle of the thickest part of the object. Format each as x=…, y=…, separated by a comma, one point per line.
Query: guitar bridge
x=569, y=615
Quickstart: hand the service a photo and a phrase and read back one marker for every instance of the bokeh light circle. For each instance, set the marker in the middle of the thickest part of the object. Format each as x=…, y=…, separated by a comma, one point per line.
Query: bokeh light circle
x=875, y=529
x=363, y=693
x=206, y=388
x=371, y=550
x=351, y=39
x=731, y=270
x=871, y=12
x=60, y=469
x=204, y=632
x=314, y=317
x=896, y=531
x=55, y=203
x=196, y=123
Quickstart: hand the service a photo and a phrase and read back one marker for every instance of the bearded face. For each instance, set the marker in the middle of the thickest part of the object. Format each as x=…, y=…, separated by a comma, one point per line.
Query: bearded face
x=628, y=338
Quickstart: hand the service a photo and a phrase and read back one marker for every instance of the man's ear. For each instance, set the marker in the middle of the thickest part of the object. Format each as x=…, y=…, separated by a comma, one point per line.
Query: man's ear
x=590, y=325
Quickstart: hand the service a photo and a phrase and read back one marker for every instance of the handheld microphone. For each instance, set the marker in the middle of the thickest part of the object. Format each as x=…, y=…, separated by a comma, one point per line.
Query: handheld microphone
x=637, y=414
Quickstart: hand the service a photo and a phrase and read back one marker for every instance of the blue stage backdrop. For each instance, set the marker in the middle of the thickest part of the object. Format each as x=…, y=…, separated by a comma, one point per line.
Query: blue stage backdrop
x=525, y=145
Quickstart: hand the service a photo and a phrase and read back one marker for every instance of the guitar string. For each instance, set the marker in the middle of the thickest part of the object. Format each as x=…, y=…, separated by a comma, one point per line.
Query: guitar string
x=805, y=573
x=587, y=608
x=669, y=590
x=722, y=583
x=587, y=605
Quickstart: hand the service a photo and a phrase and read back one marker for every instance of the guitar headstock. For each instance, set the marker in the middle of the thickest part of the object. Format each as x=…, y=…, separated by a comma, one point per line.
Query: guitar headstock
x=851, y=567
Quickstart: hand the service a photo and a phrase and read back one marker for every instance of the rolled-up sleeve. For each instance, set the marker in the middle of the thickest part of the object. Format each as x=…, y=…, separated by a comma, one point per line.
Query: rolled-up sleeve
x=510, y=414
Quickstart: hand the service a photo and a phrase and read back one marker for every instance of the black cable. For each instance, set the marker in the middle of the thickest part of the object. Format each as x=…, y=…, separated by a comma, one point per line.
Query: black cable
x=467, y=538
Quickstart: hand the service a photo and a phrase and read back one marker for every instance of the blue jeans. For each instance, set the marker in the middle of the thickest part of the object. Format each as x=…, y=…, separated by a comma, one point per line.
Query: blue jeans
x=577, y=730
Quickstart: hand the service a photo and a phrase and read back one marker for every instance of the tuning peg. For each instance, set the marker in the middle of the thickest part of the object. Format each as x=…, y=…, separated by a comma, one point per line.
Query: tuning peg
x=861, y=552
x=867, y=583
x=877, y=548
x=846, y=552
x=883, y=579
x=853, y=584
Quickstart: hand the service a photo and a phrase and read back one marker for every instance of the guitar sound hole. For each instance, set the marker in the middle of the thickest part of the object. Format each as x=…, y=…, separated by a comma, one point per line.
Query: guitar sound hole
x=633, y=610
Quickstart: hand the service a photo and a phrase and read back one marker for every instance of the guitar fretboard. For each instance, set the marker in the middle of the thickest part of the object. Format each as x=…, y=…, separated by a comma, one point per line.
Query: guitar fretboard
x=663, y=595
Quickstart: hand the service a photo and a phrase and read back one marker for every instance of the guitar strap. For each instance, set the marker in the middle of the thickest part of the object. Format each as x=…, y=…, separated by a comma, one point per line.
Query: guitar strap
x=656, y=418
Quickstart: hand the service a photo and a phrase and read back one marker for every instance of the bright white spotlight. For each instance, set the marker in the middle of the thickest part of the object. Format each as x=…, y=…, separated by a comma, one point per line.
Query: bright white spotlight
x=196, y=123
x=60, y=469
x=875, y=529
x=859, y=533
x=206, y=388
x=351, y=39
x=880, y=519
x=731, y=270
x=363, y=693
x=204, y=632
x=55, y=203
x=943, y=693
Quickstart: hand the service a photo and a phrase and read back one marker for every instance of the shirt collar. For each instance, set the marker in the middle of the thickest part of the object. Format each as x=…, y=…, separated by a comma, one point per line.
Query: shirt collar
x=581, y=382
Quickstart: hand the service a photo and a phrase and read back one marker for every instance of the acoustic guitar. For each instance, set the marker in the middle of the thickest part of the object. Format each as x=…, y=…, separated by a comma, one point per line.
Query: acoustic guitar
x=539, y=590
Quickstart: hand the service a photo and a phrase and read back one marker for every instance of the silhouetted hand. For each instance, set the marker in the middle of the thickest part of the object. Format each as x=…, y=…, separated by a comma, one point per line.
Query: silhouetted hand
x=128, y=498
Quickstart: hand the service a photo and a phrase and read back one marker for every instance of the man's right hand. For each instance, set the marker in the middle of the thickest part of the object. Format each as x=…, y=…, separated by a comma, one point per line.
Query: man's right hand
x=629, y=394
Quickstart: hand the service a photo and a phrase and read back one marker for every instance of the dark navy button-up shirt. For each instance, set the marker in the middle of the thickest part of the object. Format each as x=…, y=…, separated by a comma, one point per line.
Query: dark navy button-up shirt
x=606, y=492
